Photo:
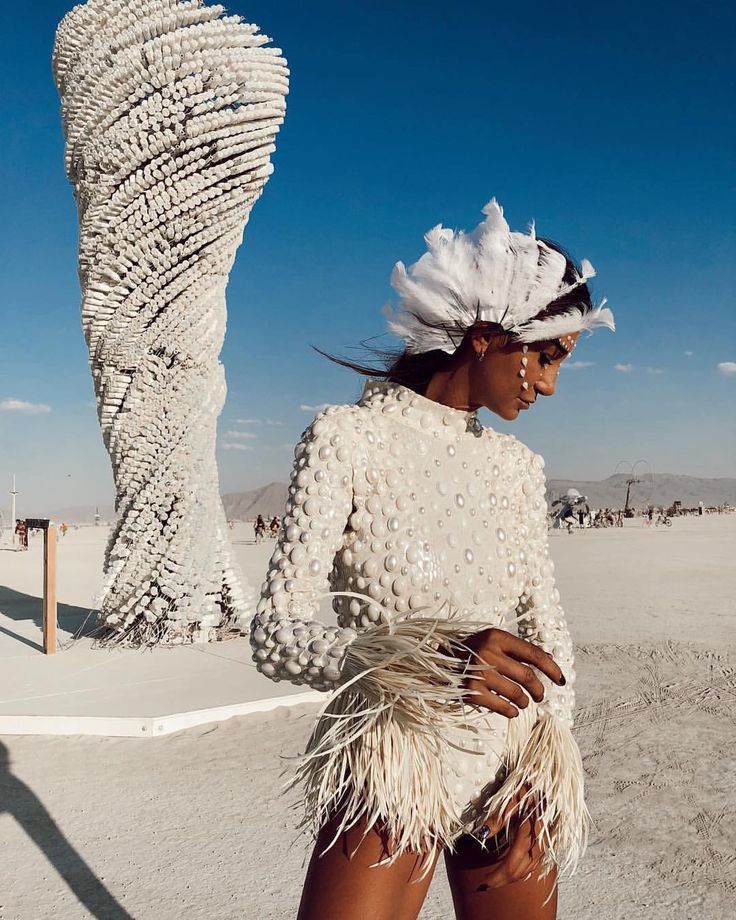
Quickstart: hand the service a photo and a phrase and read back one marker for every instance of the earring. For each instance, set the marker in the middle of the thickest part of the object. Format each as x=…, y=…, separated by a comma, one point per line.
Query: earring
x=480, y=355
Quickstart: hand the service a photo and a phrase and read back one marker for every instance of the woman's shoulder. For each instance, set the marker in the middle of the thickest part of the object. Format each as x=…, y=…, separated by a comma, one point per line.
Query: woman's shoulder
x=503, y=443
x=331, y=424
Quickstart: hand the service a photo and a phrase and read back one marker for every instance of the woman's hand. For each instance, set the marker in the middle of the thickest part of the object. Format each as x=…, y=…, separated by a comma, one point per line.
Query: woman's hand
x=523, y=854
x=499, y=688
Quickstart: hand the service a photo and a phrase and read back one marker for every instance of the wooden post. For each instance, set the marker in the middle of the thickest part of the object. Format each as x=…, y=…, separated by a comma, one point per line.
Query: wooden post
x=49, y=590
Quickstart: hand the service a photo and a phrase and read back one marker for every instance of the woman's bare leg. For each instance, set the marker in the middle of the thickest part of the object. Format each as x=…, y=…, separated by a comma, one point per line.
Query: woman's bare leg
x=467, y=871
x=339, y=888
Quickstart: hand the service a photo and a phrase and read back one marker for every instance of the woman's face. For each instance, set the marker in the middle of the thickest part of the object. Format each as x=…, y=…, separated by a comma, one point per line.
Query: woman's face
x=498, y=381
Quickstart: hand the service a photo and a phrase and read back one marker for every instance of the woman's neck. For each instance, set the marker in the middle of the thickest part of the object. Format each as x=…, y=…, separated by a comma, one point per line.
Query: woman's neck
x=452, y=388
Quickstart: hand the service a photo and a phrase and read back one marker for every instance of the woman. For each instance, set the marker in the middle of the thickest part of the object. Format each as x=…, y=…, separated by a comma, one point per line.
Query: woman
x=445, y=731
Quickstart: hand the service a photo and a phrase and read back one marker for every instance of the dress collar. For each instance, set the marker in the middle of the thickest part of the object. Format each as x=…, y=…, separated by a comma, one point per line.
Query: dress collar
x=426, y=414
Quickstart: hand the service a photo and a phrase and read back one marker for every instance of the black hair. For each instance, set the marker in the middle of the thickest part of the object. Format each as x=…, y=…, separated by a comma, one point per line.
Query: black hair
x=416, y=370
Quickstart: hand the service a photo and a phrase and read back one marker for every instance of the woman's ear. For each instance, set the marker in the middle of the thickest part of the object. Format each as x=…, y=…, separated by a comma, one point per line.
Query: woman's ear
x=480, y=341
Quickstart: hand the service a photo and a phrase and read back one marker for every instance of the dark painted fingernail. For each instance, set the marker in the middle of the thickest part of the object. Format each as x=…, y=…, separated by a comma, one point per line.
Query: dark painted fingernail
x=562, y=681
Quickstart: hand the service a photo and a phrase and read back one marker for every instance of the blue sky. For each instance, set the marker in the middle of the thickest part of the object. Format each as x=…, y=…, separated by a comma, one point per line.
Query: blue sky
x=609, y=124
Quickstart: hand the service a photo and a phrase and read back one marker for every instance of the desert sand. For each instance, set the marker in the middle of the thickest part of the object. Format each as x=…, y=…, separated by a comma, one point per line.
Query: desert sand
x=193, y=824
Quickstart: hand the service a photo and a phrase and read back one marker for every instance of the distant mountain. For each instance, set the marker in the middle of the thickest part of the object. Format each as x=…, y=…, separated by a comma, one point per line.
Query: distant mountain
x=661, y=490
x=239, y=506
x=269, y=500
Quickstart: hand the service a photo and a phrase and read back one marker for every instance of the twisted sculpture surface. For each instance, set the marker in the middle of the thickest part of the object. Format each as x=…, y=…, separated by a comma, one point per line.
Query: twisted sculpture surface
x=170, y=109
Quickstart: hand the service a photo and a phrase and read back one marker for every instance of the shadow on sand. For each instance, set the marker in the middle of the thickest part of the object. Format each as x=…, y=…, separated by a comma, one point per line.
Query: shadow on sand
x=21, y=803
x=17, y=606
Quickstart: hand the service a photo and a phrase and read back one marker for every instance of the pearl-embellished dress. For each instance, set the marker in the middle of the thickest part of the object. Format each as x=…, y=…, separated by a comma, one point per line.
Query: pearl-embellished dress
x=396, y=499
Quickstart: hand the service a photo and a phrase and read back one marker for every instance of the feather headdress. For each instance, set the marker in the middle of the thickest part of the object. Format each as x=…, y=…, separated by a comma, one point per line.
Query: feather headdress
x=490, y=275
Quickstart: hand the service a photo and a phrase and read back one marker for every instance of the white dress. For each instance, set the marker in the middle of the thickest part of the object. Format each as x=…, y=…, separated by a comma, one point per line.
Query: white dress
x=396, y=499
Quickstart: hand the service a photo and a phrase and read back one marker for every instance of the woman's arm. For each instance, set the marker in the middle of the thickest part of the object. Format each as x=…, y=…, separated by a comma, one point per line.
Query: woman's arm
x=397, y=663
x=287, y=642
x=541, y=618
x=544, y=768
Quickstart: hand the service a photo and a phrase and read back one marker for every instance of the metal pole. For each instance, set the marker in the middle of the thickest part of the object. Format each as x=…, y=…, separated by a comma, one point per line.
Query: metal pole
x=12, y=513
x=49, y=590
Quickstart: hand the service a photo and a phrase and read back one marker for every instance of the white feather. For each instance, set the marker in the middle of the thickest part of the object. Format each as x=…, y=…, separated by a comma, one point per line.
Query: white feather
x=565, y=323
x=491, y=274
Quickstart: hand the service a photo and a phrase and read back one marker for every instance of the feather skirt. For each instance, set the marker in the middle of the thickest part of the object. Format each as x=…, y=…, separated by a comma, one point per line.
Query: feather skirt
x=394, y=738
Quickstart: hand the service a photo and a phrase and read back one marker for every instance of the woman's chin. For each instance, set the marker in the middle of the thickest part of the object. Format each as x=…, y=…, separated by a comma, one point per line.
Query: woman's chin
x=507, y=413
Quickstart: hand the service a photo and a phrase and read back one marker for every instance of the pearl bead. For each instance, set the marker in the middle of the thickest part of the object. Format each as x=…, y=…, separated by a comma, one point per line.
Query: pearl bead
x=370, y=567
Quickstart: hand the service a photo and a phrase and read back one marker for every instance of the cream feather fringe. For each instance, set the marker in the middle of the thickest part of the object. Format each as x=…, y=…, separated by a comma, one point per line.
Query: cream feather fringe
x=545, y=770
x=379, y=749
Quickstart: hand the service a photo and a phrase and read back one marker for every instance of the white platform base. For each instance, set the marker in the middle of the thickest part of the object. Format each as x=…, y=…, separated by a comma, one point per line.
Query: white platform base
x=82, y=690
x=131, y=727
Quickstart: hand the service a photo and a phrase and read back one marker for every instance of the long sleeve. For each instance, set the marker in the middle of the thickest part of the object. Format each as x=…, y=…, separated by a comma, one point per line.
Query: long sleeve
x=542, y=619
x=287, y=642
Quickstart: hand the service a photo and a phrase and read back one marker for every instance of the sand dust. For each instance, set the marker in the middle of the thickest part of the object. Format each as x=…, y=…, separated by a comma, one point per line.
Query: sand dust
x=192, y=825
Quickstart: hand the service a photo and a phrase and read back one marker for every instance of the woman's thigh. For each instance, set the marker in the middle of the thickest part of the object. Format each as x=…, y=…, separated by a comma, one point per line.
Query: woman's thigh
x=467, y=869
x=338, y=887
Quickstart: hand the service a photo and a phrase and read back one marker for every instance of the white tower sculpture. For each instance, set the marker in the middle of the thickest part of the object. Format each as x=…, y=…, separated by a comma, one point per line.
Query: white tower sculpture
x=170, y=109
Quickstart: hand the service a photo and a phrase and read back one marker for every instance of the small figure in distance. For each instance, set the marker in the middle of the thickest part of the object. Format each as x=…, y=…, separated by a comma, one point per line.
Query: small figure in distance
x=259, y=527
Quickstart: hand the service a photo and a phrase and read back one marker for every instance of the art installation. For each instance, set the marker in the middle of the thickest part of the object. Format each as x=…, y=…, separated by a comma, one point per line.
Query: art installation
x=170, y=109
